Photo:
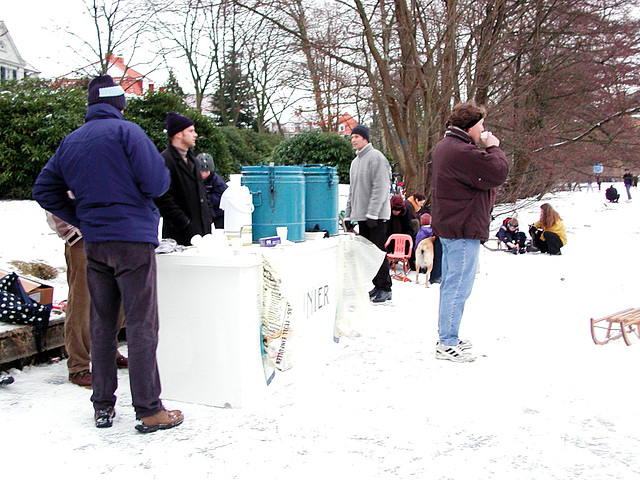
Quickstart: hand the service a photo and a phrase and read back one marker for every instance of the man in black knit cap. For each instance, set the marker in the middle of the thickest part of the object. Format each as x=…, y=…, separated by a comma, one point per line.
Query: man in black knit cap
x=114, y=172
x=184, y=207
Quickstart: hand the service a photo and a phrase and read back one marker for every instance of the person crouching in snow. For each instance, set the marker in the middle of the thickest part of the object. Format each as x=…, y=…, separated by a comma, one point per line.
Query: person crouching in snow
x=548, y=234
x=612, y=194
x=511, y=237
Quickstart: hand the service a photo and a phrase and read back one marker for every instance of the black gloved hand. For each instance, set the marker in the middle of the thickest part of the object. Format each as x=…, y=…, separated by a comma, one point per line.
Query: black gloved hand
x=371, y=223
x=348, y=226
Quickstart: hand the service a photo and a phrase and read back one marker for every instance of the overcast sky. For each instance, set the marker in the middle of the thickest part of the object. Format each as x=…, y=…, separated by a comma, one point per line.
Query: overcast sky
x=38, y=29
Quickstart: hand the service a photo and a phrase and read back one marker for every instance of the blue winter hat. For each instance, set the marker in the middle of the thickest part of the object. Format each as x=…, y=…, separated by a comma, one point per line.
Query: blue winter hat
x=103, y=89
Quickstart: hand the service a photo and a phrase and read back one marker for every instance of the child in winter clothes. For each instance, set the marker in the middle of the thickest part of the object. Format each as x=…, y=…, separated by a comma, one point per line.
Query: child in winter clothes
x=511, y=237
x=425, y=229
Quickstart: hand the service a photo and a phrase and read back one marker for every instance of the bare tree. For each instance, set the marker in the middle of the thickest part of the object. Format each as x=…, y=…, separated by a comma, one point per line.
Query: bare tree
x=268, y=59
x=189, y=30
x=547, y=69
x=119, y=28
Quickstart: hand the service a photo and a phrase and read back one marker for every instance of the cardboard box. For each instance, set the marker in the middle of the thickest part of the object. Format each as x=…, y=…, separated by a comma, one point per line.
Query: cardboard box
x=37, y=291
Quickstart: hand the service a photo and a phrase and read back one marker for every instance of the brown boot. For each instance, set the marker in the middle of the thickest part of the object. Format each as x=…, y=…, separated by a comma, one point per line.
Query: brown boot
x=162, y=420
x=82, y=379
x=122, y=361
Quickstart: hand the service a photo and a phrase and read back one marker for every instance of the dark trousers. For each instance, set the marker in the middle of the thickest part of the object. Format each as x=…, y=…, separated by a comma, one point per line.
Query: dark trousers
x=551, y=243
x=436, y=271
x=124, y=272
x=378, y=236
x=77, y=339
x=519, y=239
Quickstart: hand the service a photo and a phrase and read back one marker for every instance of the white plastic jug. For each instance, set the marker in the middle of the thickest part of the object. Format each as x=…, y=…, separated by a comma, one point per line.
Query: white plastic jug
x=237, y=203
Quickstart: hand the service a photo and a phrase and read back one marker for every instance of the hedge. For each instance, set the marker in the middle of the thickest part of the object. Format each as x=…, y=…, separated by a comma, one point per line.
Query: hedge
x=35, y=116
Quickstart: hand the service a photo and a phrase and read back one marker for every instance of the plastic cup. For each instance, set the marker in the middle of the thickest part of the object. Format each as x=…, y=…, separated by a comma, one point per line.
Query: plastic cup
x=282, y=233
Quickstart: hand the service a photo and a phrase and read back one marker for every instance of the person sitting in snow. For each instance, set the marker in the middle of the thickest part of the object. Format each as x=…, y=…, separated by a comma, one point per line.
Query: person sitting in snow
x=511, y=237
x=612, y=194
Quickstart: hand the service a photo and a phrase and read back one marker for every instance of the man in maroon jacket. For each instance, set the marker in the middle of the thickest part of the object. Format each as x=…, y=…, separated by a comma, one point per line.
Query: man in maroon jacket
x=463, y=181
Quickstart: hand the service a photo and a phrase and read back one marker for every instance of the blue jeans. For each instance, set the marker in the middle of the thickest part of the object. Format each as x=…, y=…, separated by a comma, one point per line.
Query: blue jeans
x=459, y=264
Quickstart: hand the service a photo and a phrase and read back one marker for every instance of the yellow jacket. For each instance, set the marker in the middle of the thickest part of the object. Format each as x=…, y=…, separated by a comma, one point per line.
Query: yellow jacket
x=557, y=228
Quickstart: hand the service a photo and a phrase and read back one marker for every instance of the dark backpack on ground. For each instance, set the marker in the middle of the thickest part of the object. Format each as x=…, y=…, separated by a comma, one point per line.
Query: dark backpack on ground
x=18, y=308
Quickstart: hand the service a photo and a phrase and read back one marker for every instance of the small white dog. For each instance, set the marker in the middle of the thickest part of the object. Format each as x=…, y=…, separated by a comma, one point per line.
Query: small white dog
x=424, y=257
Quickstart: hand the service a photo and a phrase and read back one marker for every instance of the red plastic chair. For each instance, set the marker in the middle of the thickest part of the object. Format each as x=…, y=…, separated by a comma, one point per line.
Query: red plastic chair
x=400, y=254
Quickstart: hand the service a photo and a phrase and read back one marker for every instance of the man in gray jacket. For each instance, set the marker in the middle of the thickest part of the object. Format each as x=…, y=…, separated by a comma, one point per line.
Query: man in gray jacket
x=368, y=203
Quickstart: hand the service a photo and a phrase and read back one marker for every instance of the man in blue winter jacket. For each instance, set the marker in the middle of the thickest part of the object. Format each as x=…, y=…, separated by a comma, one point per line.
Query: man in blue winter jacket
x=114, y=172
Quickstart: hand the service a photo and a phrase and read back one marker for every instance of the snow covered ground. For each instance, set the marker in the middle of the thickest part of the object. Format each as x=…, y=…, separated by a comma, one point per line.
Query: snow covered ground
x=542, y=401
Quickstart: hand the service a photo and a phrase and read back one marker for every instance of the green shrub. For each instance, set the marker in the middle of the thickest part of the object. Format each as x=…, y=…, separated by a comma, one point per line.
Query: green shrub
x=248, y=147
x=316, y=148
x=149, y=112
x=34, y=117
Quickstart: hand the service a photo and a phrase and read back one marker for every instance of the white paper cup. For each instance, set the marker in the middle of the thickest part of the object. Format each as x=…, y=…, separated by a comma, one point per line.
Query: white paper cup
x=282, y=233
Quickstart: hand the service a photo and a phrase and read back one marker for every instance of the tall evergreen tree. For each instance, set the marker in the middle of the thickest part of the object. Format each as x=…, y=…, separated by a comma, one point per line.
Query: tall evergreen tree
x=233, y=102
x=172, y=85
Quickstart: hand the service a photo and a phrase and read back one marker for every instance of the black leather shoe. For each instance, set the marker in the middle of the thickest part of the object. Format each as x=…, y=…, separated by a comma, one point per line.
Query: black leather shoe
x=382, y=297
x=5, y=379
x=373, y=293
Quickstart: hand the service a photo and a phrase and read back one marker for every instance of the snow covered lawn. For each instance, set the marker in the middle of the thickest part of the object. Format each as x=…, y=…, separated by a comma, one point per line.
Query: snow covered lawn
x=542, y=401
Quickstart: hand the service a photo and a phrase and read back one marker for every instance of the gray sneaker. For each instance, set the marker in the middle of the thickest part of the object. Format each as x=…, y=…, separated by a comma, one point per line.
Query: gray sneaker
x=453, y=353
x=381, y=297
x=463, y=344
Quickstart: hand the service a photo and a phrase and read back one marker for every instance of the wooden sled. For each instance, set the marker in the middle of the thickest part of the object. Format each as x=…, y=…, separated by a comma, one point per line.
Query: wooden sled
x=494, y=244
x=619, y=324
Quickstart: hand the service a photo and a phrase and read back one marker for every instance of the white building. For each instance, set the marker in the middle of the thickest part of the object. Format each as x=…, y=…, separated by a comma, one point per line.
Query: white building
x=12, y=65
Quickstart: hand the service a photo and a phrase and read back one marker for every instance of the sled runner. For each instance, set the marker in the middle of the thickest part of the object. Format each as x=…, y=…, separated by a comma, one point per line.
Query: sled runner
x=619, y=324
x=493, y=244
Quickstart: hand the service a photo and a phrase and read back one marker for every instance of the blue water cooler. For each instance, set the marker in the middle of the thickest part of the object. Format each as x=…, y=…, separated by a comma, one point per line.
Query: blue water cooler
x=321, y=198
x=278, y=194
